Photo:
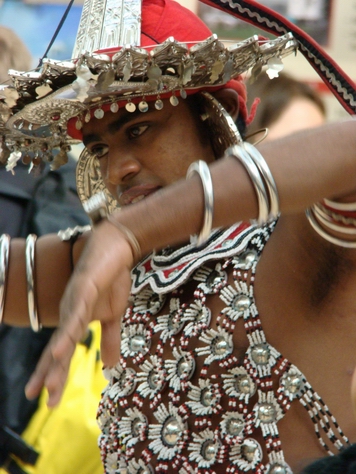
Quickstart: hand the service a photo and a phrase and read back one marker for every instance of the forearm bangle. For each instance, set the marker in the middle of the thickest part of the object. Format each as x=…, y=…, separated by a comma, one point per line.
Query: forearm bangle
x=325, y=235
x=31, y=288
x=203, y=171
x=4, y=263
x=130, y=237
x=250, y=166
x=97, y=209
x=266, y=174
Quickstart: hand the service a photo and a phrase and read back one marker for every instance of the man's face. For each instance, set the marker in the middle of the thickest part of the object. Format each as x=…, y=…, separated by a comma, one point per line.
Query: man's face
x=140, y=153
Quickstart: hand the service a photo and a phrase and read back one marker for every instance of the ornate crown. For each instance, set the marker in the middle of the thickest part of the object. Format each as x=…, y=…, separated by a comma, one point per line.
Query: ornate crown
x=36, y=107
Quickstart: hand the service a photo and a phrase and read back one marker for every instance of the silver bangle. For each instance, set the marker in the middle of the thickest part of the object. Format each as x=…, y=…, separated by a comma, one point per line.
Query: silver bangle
x=31, y=289
x=327, y=221
x=241, y=154
x=266, y=174
x=341, y=206
x=203, y=171
x=329, y=238
x=4, y=263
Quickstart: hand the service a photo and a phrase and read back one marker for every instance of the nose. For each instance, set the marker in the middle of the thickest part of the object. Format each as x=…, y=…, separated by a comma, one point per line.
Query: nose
x=120, y=168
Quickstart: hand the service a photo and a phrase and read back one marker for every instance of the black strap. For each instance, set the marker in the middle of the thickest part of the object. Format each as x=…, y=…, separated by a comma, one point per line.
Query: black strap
x=56, y=33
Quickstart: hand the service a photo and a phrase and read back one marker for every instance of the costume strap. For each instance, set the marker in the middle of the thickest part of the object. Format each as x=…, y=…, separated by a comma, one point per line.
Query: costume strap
x=340, y=84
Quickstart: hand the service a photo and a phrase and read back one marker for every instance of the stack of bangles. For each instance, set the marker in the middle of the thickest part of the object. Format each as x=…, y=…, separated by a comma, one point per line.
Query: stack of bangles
x=30, y=271
x=261, y=177
x=331, y=220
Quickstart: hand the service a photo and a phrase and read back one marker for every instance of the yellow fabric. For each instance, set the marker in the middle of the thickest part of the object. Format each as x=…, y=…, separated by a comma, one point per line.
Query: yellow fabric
x=66, y=436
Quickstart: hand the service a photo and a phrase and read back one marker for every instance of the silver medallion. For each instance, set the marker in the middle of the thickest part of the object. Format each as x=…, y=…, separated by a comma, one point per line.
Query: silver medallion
x=114, y=107
x=159, y=104
x=99, y=113
x=138, y=343
x=130, y=107
x=174, y=100
x=171, y=432
x=260, y=354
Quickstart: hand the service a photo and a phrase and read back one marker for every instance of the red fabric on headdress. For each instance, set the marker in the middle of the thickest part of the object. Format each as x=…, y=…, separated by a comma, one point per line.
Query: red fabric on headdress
x=160, y=20
x=164, y=18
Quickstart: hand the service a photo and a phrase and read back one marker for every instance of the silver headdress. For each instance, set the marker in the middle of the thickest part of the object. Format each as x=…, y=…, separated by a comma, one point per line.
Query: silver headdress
x=36, y=107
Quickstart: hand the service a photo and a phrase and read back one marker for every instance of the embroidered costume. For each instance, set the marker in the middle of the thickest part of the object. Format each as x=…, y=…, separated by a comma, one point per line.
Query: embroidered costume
x=189, y=394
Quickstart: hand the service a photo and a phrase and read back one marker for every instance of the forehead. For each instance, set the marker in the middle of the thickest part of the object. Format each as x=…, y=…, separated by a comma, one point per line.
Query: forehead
x=112, y=122
x=108, y=122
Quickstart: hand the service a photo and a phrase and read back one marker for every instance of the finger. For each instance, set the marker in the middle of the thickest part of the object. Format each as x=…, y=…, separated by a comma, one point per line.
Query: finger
x=35, y=384
x=110, y=343
x=55, y=381
x=50, y=372
x=75, y=315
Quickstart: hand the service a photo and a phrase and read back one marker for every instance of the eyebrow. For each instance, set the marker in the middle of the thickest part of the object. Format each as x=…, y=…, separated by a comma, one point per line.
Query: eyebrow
x=112, y=127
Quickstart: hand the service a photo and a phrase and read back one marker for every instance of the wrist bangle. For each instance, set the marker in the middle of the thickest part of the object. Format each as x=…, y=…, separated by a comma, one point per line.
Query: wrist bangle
x=130, y=237
x=203, y=171
x=31, y=289
x=4, y=263
x=239, y=153
x=266, y=174
x=97, y=209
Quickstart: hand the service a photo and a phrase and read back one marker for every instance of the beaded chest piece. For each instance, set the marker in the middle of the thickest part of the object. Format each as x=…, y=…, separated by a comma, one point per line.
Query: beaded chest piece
x=185, y=396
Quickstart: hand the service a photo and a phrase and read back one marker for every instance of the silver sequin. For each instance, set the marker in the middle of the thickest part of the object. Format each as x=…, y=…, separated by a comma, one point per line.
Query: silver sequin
x=234, y=426
x=278, y=468
x=171, y=432
x=266, y=412
x=207, y=397
x=153, y=380
x=292, y=383
x=241, y=303
x=245, y=385
x=138, y=425
x=246, y=259
x=251, y=450
x=209, y=450
x=221, y=347
x=138, y=343
x=186, y=367
x=260, y=354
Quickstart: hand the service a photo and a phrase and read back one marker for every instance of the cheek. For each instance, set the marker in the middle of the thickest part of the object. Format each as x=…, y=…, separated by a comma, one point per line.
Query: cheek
x=103, y=170
x=103, y=167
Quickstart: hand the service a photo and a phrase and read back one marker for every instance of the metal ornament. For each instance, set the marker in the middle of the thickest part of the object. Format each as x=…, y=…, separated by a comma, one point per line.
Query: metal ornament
x=98, y=27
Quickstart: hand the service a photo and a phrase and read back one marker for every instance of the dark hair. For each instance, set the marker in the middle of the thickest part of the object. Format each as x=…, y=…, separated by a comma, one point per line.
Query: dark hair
x=196, y=104
x=276, y=94
x=343, y=463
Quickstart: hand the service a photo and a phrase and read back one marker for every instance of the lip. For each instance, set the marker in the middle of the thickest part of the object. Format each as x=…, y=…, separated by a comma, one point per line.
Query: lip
x=136, y=194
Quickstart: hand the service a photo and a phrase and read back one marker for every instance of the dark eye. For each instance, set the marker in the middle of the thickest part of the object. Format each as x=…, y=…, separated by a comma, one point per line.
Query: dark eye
x=136, y=131
x=99, y=150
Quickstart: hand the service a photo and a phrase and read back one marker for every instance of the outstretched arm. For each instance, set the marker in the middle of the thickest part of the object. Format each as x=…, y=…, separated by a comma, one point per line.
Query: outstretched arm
x=306, y=168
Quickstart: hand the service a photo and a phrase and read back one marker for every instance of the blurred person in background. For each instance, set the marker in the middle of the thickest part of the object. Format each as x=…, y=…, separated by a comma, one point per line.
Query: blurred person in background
x=286, y=105
x=42, y=202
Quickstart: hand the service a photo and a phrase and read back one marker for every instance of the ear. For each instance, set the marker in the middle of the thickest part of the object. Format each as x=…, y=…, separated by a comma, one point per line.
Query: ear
x=229, y=99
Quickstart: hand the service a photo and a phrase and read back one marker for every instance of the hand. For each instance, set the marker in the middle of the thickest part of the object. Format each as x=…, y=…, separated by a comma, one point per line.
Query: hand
x=98, y=289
